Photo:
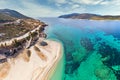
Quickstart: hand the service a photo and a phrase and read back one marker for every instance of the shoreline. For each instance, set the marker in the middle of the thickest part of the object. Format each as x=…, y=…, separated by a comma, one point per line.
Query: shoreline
x=51, y=70
x=35, y=68
x=44, y=69
x=55, y=65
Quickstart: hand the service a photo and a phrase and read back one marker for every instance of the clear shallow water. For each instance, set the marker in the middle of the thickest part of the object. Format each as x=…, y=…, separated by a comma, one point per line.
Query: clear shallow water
x=91, y=48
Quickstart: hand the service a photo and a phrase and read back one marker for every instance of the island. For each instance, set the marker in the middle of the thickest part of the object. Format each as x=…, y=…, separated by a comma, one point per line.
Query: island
x=90, y=16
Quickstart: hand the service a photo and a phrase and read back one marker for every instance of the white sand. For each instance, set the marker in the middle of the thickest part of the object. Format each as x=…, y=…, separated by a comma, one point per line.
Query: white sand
x=36, y=68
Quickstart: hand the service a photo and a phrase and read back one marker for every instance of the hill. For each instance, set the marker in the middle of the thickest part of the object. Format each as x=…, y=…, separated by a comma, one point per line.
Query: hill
x=14, y=24
x=6, y=18
x=90, y=16
x=13, y=13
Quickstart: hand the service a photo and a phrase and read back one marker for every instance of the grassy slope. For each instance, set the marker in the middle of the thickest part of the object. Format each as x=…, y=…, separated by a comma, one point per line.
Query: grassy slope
x=6, y=17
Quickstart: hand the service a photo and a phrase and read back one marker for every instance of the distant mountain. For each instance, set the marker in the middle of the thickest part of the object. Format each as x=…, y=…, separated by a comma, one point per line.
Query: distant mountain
x=7, y=15
x=90, y=16
x=6, y=18
x=12, y=13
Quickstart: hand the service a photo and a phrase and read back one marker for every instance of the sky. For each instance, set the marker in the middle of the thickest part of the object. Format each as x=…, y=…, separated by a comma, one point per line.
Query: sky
x=54, y=8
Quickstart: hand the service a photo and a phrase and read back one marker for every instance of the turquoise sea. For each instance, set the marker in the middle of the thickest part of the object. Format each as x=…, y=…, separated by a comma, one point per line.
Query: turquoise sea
x=91, y=48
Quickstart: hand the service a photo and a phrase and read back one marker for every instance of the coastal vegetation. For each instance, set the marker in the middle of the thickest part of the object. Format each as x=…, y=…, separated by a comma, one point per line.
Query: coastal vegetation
x=14, y=24
x=19, y=44
x=18, y=28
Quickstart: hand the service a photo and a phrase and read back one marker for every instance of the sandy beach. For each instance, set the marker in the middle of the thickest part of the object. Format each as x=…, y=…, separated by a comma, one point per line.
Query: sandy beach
x=36, y=63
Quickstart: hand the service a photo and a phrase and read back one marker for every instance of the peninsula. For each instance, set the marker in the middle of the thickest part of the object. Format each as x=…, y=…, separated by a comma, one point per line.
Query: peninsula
x=25, y=54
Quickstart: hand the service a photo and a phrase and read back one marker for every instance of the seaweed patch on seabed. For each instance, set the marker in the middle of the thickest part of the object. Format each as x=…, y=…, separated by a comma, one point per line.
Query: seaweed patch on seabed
x=107, y=47
x=76, y=55
x=87, y=44
x=112, y=56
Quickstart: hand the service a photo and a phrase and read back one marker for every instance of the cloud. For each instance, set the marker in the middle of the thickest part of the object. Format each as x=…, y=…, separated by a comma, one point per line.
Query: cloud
x=3, y=4
x=115, y=2
x=111, y=4
x=51, y=8
x=75, y=6
x=87, y=2
x=10, y=4
x=104, y=3
x=39, y=10
x=30, y=8
x=67, y=5
x=58, y=1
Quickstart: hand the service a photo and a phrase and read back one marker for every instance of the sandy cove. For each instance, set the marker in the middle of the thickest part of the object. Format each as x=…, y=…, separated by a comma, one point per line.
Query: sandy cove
x=35, y=66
